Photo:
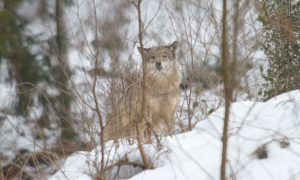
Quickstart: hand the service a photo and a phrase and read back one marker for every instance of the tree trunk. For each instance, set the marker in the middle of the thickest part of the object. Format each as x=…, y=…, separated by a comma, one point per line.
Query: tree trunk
x=68, y=133
x=227, y=90
x=141, y=33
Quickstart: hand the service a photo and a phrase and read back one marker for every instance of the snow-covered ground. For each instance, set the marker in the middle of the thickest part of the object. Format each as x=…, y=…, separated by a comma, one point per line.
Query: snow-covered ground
x=192, y=155
x=273, y=127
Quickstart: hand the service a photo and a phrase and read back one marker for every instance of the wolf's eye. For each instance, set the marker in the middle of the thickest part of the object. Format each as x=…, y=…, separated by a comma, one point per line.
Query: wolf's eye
x=164, y=56
x=152, y=57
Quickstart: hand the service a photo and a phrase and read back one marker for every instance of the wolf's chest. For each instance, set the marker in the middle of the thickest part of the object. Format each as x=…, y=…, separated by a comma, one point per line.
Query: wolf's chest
x=159, y=102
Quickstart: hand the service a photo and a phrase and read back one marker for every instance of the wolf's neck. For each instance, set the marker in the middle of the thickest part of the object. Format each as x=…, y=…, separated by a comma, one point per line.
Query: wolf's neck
x=163, y=86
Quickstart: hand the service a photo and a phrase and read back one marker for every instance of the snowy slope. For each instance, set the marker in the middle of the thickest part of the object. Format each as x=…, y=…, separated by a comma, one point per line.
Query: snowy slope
x=196, y=154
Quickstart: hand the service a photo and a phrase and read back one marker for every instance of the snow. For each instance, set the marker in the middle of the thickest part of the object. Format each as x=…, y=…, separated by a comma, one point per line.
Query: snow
x=14, y=133
x=196, y=154
x=7, y=97
x=18, y=134
x=192, y=155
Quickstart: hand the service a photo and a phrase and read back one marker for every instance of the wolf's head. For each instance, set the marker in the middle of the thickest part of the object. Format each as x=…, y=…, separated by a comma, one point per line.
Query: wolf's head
x=160, y=59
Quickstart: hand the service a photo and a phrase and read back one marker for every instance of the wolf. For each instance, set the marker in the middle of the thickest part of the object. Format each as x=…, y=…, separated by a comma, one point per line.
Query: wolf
x=159, y=100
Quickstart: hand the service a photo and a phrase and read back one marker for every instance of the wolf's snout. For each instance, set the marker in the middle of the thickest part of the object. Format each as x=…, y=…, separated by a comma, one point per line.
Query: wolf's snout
x=158, y=65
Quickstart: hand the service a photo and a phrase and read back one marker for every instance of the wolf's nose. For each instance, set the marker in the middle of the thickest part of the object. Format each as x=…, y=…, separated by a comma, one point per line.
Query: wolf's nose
x=158, y=65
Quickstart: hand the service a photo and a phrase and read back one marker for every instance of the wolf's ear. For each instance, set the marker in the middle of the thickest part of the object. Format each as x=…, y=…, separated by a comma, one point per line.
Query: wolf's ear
x=173, y=46
x=145, y=50
x=140, y=49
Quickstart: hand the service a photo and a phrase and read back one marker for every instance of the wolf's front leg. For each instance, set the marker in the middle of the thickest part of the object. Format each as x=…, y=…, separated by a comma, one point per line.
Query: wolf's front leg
x=168, y=121
x=144, y=128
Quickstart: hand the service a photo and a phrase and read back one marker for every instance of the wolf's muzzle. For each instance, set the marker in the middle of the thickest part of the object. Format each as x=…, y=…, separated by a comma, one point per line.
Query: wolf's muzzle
x=158, y=65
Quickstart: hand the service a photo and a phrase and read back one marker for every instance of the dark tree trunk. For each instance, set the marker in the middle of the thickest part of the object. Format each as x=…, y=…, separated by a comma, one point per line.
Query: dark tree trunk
x=68, y=133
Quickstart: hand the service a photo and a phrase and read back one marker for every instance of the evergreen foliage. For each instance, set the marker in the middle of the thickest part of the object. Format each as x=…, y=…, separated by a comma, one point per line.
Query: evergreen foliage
x=281, y=44
x=41, y=77
x=15, y=48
